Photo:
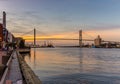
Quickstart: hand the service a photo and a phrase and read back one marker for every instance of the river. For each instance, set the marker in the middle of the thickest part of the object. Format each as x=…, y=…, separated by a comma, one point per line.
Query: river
x=75, y=65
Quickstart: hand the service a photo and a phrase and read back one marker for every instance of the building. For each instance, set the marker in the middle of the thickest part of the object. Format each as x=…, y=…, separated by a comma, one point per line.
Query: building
x=6, y=37
x=1, y=35
x=1, y=32
x=98, y=41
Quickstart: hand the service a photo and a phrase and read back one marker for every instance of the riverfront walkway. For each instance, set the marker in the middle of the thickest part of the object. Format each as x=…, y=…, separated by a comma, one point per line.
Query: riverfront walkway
x=17, y=71
x=14, y=74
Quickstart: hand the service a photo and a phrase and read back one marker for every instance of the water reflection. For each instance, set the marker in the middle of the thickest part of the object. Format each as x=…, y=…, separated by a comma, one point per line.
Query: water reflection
x=81, y=60
x=24, y=55
x=34, y=58
x=97, y=64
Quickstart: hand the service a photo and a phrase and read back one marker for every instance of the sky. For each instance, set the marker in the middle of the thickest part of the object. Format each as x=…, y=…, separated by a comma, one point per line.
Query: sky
x=63, y=18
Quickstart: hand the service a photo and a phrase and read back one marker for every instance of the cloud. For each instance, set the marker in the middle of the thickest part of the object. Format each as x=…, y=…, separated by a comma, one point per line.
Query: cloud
x=101, y=26
x=4, y=0
x=22, y=22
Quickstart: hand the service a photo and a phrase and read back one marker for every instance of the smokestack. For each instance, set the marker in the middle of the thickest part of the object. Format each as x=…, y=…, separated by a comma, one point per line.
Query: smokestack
x=4, y=19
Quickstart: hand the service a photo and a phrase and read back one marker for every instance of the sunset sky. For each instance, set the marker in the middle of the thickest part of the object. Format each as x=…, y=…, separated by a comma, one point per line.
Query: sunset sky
x=63, y=18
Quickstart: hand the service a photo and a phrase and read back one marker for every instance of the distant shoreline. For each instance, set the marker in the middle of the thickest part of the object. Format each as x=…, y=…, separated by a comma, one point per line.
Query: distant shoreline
x=74, y=47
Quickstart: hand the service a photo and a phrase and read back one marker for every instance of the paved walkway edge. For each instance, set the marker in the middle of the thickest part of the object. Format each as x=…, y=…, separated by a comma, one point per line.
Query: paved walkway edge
x=28, y=74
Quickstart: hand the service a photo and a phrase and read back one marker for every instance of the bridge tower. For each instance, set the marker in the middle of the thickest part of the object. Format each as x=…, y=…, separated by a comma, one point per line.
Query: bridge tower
x=34, y=37
x=80, y=38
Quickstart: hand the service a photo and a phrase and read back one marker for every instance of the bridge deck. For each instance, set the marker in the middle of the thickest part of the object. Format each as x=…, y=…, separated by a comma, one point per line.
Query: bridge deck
x=70, y=39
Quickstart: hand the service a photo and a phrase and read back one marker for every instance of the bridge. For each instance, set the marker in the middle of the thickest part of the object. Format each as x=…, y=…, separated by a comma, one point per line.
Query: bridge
x=80, y=39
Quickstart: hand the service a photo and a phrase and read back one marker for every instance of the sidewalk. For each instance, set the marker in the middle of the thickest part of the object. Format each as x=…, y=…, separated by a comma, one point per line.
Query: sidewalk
x=15, y=75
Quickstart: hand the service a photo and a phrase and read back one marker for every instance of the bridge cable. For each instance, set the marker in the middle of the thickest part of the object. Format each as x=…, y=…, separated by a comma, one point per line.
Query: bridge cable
x=27, y=33
x=89, y=35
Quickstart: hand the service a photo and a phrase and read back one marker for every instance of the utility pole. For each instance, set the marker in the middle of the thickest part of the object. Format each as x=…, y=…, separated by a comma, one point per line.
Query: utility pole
x=34, y=37
x=80, y=38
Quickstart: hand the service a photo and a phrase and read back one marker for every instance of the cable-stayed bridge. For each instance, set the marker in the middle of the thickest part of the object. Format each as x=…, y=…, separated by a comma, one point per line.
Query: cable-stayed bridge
x=36, y=33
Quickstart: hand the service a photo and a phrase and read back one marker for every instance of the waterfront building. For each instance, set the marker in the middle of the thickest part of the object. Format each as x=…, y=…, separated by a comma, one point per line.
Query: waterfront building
x=98, y=41
x=1, y=32
x=6, y=37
